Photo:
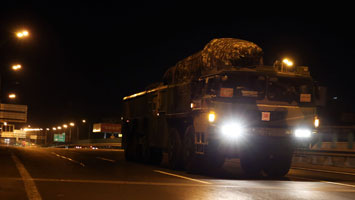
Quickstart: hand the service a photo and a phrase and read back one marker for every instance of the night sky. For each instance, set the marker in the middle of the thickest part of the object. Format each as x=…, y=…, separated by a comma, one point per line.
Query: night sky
x=82, y=58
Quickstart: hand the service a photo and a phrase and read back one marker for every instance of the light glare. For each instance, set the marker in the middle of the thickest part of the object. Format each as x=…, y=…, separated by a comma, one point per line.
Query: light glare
x=12, y=96
x=316, y=122
x=232, y=130
x=287, y=62
x=303, y=133
x=211, y=117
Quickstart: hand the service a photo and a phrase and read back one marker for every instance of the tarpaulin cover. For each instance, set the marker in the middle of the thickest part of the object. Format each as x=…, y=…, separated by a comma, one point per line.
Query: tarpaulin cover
x=218, y=54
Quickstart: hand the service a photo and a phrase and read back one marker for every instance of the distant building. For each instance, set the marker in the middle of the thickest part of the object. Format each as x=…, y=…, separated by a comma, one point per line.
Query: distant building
x=107, y=130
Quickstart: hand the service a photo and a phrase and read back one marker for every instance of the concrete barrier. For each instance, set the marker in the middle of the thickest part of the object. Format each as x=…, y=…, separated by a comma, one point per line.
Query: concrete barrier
x=335, y=159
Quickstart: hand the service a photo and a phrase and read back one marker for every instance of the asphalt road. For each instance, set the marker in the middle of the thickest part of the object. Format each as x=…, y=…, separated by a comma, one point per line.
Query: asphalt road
x=50, y=173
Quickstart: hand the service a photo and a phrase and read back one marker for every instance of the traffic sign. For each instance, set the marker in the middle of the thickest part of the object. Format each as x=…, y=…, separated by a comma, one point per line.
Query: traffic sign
x=59, y=137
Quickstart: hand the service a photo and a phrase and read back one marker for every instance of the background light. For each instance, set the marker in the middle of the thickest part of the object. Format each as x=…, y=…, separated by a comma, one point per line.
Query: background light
x=211, y=117
x=12, y=96
x=287, y=62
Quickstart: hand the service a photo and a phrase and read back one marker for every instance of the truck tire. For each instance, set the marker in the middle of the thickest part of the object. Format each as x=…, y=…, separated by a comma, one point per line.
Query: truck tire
x=213, y=159
x=156, y=156
x=191, y=159
x=277, y=165
x=150, y=155
x=131, y=148
x=175, y=150
x=145, y=150
x=251, y=163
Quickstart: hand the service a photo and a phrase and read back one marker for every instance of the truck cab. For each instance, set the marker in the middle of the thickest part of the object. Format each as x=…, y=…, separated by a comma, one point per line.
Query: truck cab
x=257, y=114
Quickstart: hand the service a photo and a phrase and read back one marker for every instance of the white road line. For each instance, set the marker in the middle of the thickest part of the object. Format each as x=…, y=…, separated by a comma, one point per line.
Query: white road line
x=321, y=170
x=118, y=182
x=106, y=159
x=30, y=186
x=329, y=182
x=71, y=160
x=183, y=177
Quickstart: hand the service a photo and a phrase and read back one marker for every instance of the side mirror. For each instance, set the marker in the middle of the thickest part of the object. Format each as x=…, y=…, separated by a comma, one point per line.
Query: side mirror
x=321, y=96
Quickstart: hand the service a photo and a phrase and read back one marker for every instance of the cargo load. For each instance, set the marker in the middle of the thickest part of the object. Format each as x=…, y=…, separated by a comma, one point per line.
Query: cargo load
x=218, y=54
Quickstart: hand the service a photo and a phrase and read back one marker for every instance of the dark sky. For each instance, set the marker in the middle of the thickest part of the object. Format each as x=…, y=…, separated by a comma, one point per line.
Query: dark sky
x=82, y=58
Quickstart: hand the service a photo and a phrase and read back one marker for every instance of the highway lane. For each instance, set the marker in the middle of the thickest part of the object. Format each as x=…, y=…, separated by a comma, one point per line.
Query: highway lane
x=104, y=174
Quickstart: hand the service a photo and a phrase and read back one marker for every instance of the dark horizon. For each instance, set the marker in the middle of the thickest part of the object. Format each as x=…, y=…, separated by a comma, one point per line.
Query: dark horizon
x=82, y=59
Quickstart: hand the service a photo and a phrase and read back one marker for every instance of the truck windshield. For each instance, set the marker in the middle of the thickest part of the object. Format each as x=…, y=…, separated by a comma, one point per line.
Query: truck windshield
x=241, y=85
x=289, y=90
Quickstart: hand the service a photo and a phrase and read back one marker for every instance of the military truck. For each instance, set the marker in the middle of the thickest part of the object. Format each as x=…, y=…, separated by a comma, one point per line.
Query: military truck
x=219, y=103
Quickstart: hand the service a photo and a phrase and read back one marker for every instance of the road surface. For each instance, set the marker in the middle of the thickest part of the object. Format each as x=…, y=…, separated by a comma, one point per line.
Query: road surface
x=53, y=173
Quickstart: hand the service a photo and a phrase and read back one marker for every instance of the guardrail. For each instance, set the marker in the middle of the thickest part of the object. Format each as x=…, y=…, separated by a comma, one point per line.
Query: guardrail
x=345, y=159
x=103, y=143
x=335, y=138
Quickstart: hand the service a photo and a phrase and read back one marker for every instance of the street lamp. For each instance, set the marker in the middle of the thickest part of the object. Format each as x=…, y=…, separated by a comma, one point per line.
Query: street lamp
x=16, y=67
x=22, y=34
x=287, y=62
x=12, y=96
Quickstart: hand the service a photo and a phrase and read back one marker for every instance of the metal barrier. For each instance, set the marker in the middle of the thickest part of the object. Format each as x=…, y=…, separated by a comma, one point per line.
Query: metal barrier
x=103, y=143
x=335, y=138
x=344, y=159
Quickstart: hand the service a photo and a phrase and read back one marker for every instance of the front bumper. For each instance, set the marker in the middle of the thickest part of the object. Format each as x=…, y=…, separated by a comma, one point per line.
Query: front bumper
x=258, y=138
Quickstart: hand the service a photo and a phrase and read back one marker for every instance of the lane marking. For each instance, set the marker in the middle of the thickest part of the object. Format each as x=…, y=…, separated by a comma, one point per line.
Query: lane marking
x=179, y=184
x=30, y=186
x=329, y=182
x=321, y=170
x=183, y=177
x=106, y=159
x=71, y=160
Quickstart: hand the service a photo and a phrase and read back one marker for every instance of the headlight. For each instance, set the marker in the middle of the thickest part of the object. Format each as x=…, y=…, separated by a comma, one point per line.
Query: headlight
x=232, y=130
x=303, y=133
x=211, y=116
x=316, y=122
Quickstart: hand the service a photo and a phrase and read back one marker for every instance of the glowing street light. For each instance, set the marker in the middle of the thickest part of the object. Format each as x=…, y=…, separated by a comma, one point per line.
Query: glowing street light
x=22, y=34
x=16, y=67
x=12, y=96
x=59, y=127
x=71, y=124
x=84, y=121
x=65, y=126
x=287, y=62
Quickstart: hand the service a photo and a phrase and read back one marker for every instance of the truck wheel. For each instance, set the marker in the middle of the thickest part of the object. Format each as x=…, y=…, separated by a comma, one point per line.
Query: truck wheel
x=250, y=163
x=278, y=165
x=214, y=162
x=175, y=150
x=213, y=158
x=191, y=159
x=156, y=156
x=131, y=148
x=145, y=150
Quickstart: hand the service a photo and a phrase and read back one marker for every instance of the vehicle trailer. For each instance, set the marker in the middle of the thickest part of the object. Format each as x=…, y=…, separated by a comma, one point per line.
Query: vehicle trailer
x=255, y=112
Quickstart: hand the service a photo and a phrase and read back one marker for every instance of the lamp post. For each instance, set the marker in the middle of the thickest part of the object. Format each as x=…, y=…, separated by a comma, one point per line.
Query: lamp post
x=286, y=62
x=22, y=34
x=71, y=124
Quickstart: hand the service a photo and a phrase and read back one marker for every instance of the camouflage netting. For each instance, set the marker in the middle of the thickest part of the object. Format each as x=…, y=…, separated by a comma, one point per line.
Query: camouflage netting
x=218, y=54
